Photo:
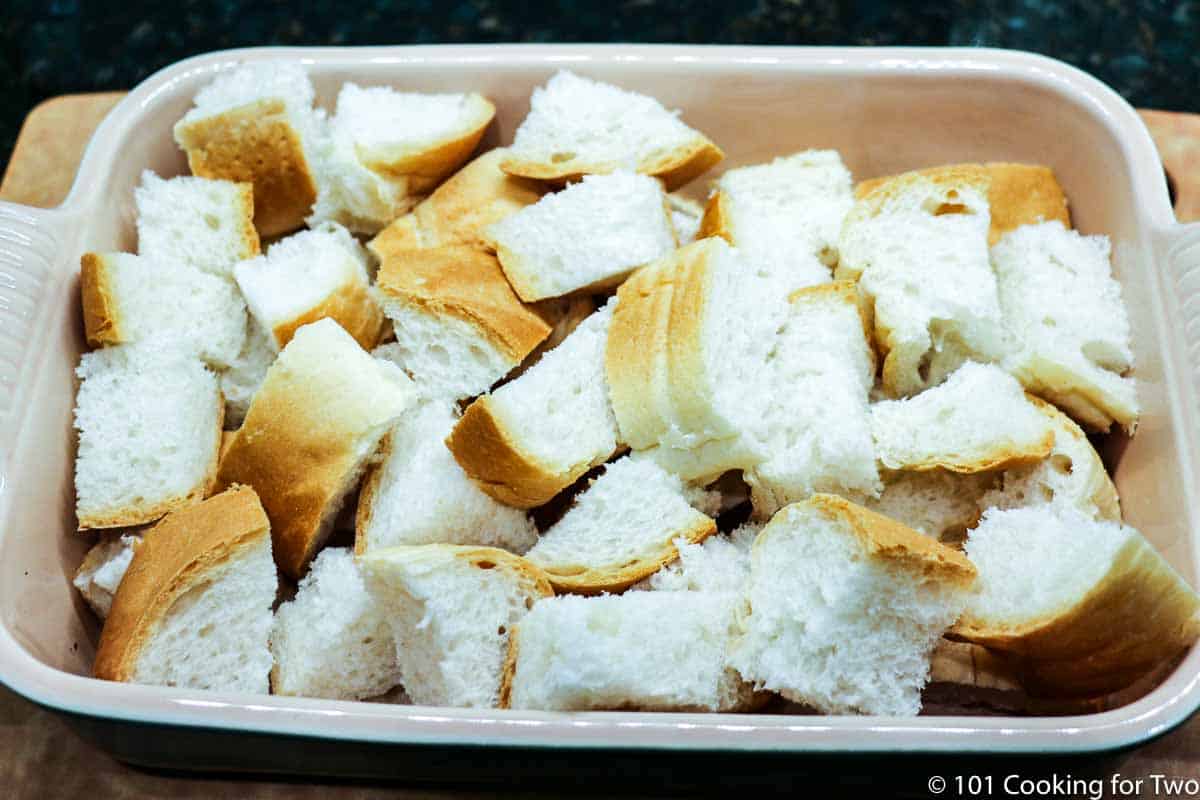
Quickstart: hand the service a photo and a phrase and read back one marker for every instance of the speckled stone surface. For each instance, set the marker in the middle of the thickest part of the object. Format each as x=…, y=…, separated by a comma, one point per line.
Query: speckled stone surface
x=1147, y=50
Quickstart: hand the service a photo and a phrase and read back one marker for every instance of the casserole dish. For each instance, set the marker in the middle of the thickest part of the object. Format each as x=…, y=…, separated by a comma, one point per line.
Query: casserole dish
x=885, y=110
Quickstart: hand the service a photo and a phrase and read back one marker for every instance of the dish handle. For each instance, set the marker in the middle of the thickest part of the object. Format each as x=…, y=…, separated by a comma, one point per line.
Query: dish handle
x=32, y=242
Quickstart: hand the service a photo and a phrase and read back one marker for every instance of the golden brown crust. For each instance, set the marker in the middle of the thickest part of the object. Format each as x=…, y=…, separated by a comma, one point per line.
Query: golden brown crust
x=350, y=305
x=1137, y=615
x=175, y=555
x=462, y=209
x=509, y=670
x=998, y=458
x=366, y=497
x=423, y=169
x=674, y=168
x=885, y=538
x=578, y=579
x=498, y=464
x=101, y=315
x=257, y=144
x=468, y=284
x=717, y=219
x=299, y=444
x=1020, y=194
x=150, y=512
x=691, y=387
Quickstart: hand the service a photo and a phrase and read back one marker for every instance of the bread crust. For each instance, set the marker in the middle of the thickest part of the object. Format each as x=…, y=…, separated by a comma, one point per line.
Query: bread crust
x=423, y=169
x=1019, y=194
x=176, y=555
x=674, y=168
x=498, y=463
x=366, y=497
x=462, y=209
x=350, y=305
x=717, y=219
x=298, y=446
x=257, y=144
x=150, y=512
x=1137, y=615
x=101, y=312
x=886, y=539
x=579, y=579
x=469, y=285
x=1103, y=493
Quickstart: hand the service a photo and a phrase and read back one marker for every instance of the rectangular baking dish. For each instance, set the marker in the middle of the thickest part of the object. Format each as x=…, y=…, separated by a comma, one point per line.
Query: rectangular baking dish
x=886, y=110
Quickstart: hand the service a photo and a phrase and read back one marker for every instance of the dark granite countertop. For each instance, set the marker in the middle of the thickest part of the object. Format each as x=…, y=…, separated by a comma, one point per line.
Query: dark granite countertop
x=1147, y=50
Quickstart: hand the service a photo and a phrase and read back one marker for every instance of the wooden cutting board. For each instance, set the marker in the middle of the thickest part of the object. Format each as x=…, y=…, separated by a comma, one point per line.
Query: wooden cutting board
x=39, y=756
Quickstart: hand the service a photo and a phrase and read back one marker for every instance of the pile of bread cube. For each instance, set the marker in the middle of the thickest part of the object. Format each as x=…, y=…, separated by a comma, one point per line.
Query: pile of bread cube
x=372, y=410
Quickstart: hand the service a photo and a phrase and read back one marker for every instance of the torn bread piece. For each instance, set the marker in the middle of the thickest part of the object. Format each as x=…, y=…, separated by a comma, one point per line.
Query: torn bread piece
x=590, y=235
x=418, y=494
x=533, y=436
x=577, y=126
x=1064, y=308
x=1071, y=474
x=978, y=420
x=1019, y=194
x=846, y=607
x=411, y=136
x=787, y=212
x=1088, y=605
x=462, y=210
x=311, y=428
x=452, y=609
x=149, y=423
x=103, y=568
x=332, y=639
x=649, y=651
x=691, y=333
x=194, y=608
x=128, y=298
x=917, y=245
x=817, y=432
x=720, y=563
x=621, y=529
x=255, y=123
x=459, y=327
x=243, y=377
x=311, y=275
x=206, y=224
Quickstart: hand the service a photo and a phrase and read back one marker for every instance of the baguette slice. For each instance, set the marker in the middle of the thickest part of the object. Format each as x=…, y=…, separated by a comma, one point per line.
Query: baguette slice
x=103, y=568
x=462, y=210
x=532, y=437
x=846, y=607
x=1019, y=194
x=620, y=530
x=787, y=212
x=417, y=138
x=1072, y=474
x=451, y=609
x=418, y=494
x=243, y=377
x=206, y=224
x=650, y=651
x=149, y=424
x=194, y=608
x=1088, y=605
x=310, y=430
x=590, y=236
x=817, y=431
x=308, y=276
x=459, y=327
x=978, y=420
x=129, y=298
x=256, y=124
x=578, y=126
x=917, y=245
x=1064, y=307
x=332, y=640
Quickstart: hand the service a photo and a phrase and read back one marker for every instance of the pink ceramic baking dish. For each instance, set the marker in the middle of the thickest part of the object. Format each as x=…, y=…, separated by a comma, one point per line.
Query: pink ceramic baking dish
x=886, y=110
